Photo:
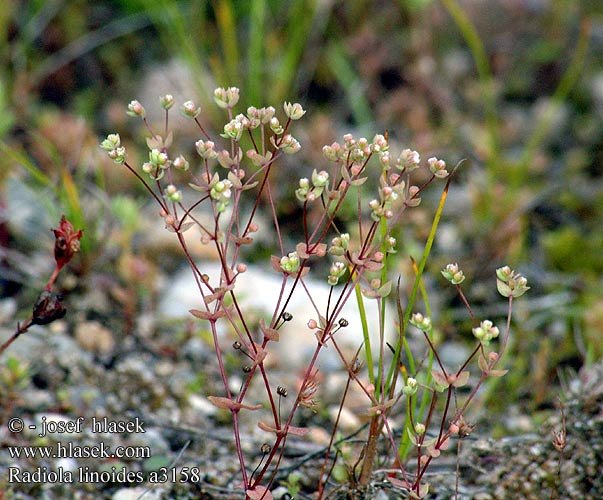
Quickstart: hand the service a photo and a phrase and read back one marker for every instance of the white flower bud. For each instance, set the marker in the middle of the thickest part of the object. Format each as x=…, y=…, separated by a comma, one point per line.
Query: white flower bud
x=294, y=111
x=136, y=109
x=190, y=109
x=166, y=101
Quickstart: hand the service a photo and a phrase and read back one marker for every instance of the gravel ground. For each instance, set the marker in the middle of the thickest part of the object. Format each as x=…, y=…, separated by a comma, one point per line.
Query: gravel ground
x=120, y=386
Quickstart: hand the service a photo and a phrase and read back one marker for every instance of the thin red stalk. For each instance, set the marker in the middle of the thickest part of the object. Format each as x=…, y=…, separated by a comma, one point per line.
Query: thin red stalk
x=478, y=348
x=392, y=441
x=276, y=315
x=332, y=438
x=258, y=197
x=148, y=126
x=330, y=220
x=20, y=330
x=422, y=188
x=147, y=187
x=281, y=447
x=464, y=299
x=445, y=414
x=266, y=175
x=359, y=211
x=255, y=146
x=239, y=448
x=269, y=393
x=202, y=129
x=305, y=222
x=187, y=213
x=53, y=278
x=435, y=353
x=308, y=373
x=492, y=364
x=275, y=218
x=432, y=406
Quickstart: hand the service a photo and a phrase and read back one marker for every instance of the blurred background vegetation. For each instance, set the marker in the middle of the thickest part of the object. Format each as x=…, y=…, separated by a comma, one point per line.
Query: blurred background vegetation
x=513, y=86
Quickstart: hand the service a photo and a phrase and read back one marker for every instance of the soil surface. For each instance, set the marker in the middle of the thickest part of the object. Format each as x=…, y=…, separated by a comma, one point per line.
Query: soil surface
x=88, y=392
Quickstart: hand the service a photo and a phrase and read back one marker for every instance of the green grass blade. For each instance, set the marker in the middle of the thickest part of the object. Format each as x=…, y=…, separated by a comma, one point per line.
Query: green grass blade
x=226, y=20
x=298, y=28
x=567, y=82
x=23, y=160
x=348, y=78
x=478, y=52
x=256, y=63
x=365, y=333
x=405, y=444
x=413, y=295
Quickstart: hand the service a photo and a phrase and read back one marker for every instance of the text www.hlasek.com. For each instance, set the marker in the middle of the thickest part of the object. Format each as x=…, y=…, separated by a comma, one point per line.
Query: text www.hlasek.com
x=70, y=450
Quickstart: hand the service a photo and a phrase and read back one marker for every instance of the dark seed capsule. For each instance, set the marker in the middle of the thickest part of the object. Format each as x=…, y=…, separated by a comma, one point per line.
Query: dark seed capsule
x=343, y=322
x=281, y=391
x=48, y=308
x=266, y=448
x=236, y=345
x=287, y=316
x=246, y=369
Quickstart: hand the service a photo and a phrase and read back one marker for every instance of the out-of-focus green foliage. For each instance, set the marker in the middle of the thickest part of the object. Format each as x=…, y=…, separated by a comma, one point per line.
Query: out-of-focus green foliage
x=262, y=46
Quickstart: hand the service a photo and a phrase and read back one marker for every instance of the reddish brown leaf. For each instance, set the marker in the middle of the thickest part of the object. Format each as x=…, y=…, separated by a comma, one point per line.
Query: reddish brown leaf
x=229, y=404
x=269, y=333
x=259, y=493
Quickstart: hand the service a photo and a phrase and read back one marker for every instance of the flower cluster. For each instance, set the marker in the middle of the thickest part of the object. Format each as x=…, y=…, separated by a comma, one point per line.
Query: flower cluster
x=173, y=194
x=410, y=386
x=190, y=109
x=437, y=168
x=260, y=116
x=336, y=272
x=206, y=149
x=158, y=163
x=221, y=192
x=339, y=244
x=421, y=322
x=291, y=263
x=393, y=192
x=485, y=332
x=390, y=196
x=356, y=152
x=136, y=109
x=510, y=283
x=166, y=101
x=289, y=144
x=181, y=163
x=294, y=111
x=453, y=274
x=235, y=127
x=226, y=98
x=115, y=151
x=310, y=191
x=408, y=160
x=390, y=244
x=253, y=119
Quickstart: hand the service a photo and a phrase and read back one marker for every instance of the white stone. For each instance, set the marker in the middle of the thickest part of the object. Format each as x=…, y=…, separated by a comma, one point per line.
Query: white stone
x=135, y=494
x=257, y=292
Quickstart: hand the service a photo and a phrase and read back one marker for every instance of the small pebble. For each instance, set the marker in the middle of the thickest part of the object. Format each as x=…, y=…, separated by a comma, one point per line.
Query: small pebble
x=94, y=337
x=135, y=493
